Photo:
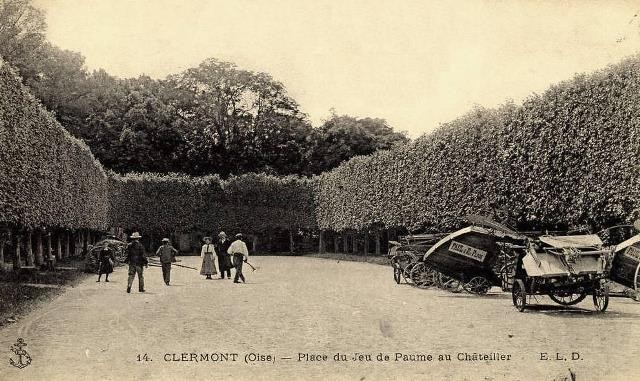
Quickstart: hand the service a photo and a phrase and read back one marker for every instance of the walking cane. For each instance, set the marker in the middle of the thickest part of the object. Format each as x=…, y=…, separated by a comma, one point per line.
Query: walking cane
x=155, y=263
x=250, y=265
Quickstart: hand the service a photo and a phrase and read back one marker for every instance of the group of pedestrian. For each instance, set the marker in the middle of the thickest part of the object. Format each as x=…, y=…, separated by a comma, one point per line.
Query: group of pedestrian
x=229, y=255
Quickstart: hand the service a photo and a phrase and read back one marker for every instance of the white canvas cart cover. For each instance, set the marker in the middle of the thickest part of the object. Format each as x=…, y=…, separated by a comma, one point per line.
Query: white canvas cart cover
x=577, y=241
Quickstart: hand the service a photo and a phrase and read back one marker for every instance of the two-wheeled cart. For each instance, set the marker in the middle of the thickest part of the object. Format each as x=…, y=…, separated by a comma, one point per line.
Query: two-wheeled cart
x=565, y=268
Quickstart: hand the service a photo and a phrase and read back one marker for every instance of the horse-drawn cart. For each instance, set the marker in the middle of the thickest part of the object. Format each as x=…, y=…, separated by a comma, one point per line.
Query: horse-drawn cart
x=476, y=257
x=565, y=268
x=625, y=268
x=406, y=257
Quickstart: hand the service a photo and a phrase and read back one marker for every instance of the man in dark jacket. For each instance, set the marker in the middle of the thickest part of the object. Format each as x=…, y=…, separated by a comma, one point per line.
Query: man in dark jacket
x=224, y=259
x=167, y=254
x=136, y=258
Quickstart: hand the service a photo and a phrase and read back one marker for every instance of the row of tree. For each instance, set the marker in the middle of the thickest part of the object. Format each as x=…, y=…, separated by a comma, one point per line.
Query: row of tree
x=259, y=204
x=568, y=157
x=215, y=118
x=53, y=192
x=178, y=202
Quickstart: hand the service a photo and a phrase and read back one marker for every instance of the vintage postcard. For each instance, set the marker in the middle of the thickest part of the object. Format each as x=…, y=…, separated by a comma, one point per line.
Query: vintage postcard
x=319, y=190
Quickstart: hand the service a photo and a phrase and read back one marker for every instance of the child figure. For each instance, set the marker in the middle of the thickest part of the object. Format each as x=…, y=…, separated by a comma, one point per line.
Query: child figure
x=105, y=264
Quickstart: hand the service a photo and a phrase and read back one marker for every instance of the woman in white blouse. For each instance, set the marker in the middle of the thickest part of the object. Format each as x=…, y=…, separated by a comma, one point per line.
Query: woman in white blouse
x=208, y=254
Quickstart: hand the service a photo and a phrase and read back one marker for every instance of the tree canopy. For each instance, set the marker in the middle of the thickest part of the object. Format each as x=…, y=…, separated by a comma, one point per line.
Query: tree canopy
x=213, y=118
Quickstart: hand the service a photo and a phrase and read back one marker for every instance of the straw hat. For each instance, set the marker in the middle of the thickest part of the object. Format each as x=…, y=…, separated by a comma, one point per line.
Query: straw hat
x=135, y=235
x=165, y=240
x=222, y=234
x=239, y=235
x=206, y=238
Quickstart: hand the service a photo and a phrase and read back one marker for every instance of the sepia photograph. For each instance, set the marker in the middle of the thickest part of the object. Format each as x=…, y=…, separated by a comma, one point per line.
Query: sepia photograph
x=319, y=190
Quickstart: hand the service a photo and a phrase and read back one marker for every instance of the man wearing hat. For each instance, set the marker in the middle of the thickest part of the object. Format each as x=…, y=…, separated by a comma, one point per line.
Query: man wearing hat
x=136, y=258
x=224, y=259
x=240, y=254
x=167, y=254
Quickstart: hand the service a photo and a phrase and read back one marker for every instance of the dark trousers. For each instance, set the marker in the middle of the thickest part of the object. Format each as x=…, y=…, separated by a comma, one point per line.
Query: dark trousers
x=223, y=266
x=237, y=261
x=166, y=272
x=133, y=269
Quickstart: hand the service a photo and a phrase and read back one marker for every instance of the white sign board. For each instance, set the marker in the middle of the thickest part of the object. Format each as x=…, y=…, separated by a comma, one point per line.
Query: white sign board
x=633, y=251
x=467, y=251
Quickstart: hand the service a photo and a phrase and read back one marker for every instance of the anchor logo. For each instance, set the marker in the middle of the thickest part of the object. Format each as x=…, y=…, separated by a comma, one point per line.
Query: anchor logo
x=23, y=357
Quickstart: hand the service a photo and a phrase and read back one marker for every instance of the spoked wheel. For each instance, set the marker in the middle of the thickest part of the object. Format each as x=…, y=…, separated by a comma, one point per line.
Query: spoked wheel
x=406, y=272
x=447, y=283
x=567, y=298
x=402, y=263
x=477, y=285
x=507, y=273
x=519, y=295
x=396, y=273
x=601, y=298
x=423, y=276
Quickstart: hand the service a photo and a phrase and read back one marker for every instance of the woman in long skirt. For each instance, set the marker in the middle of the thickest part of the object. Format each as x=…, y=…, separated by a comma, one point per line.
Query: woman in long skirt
x=208, y=254
x=105, y=264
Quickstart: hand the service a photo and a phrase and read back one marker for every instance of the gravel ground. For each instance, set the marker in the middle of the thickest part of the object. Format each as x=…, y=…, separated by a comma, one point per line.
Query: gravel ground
x=295, y=307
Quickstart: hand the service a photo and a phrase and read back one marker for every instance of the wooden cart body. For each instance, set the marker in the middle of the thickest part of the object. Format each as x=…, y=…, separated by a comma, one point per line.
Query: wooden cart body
x=469, y=253
x=566, y=268
x=626, y=263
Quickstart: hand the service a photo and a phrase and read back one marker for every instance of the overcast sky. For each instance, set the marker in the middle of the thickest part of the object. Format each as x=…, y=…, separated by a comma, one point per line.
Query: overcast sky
x=414, y=63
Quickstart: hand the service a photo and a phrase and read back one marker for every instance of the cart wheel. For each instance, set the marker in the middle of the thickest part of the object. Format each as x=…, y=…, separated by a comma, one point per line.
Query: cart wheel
x=601, y=298
x=507, y=273
x=406, y=272
x=396, y=273
x=447, y=283
x=477, y=285
x=567, y=298
x=423, y=276
x=519, y=295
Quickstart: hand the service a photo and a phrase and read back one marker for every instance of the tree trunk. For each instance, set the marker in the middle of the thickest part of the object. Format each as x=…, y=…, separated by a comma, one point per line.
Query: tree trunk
x=49, y=253
x=345, y=243
x=1, y=253
x=39, y=253
x=269, y=245
x=29, y=249
x=67, y=244
x=366, y=242
x=354, y=243
x=79, y=243
x=59, y=245
x=378, y=242
x=17, y=260
x=336, y=242
x=6, y=237
x=321, y=244
x=85, y=244
x=72, y=243
x=151, y=241
x=291, y=240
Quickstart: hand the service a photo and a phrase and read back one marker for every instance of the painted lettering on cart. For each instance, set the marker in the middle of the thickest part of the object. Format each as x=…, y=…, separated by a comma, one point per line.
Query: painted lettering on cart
x=633, y=251
x=467, y=251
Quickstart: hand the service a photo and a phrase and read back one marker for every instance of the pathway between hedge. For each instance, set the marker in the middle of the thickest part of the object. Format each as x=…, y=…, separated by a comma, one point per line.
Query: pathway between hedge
x=294, y=306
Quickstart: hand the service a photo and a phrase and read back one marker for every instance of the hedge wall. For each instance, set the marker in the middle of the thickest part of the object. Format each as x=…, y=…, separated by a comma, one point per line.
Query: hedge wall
x=47, y=177
x=567, y=157
x=250, y=203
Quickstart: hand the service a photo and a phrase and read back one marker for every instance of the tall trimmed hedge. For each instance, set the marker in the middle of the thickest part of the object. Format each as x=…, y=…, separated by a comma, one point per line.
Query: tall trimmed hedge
x=250, y=203
x=570, y=156
x=47, y=177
